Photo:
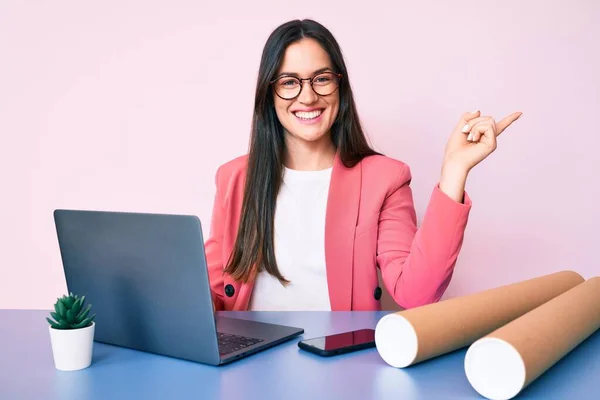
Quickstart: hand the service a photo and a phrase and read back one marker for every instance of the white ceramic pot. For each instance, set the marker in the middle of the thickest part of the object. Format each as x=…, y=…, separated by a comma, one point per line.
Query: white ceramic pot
x=72, y=348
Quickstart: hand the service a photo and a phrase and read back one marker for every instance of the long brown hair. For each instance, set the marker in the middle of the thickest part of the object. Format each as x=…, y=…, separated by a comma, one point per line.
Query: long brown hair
x=254, y=250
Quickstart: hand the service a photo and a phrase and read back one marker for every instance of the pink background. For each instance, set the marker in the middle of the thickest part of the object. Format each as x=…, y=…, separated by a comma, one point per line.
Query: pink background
x=132, y=105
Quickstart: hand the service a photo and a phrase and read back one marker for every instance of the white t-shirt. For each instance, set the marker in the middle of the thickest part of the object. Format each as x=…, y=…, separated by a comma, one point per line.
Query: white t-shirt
x=299, y=241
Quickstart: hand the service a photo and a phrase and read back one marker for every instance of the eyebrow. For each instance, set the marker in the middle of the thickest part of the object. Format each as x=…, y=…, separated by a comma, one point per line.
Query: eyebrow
x=296, y=75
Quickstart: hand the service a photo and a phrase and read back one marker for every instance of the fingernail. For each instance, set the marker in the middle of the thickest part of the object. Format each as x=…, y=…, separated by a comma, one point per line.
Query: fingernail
x=465, y=129
x=474, y=112
x=470, y=136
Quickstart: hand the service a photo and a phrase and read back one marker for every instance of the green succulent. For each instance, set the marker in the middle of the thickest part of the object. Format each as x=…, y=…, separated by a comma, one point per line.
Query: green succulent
x=70, y=314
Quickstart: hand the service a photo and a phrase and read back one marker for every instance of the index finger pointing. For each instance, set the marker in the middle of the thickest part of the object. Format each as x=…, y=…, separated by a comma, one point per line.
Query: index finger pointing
x=506, y=121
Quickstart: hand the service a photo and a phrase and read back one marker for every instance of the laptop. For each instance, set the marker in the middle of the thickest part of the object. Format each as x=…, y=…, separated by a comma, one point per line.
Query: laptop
x=146, y=277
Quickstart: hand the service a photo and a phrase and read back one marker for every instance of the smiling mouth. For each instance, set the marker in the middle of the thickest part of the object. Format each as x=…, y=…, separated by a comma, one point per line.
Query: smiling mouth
x=307, y=116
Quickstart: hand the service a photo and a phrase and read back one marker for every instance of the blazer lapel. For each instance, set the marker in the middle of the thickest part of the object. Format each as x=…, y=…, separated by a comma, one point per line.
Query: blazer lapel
x=340, y=224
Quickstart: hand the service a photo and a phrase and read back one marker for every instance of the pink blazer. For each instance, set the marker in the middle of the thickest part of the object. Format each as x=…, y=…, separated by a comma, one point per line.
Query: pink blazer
x=370, y=223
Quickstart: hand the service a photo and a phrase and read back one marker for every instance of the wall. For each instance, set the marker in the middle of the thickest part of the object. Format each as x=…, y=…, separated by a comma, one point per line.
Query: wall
x=132, y=105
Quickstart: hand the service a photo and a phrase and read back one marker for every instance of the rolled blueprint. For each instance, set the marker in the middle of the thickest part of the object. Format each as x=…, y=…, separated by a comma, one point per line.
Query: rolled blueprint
x=503, y=363
x=410, y=336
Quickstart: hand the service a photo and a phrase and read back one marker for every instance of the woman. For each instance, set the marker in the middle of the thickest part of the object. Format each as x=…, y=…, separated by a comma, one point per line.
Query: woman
x=305, y=219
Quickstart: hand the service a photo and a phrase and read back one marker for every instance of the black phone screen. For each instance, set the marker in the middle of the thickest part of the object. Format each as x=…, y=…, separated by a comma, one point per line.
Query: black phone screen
x=360, y=338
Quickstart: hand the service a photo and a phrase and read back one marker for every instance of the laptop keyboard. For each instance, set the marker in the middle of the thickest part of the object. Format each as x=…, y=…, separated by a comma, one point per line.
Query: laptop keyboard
x=229, y=343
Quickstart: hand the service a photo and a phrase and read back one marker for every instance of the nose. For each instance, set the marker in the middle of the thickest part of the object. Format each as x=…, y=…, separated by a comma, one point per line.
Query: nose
x=307, y=94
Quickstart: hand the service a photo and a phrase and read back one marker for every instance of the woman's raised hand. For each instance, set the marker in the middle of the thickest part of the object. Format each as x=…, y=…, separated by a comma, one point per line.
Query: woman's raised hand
x=474, y=138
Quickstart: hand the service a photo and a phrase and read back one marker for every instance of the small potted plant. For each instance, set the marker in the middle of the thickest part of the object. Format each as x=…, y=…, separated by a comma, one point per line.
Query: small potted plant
x=71, y=333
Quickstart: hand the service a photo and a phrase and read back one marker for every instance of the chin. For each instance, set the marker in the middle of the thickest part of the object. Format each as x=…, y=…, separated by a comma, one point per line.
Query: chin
x=309, y=135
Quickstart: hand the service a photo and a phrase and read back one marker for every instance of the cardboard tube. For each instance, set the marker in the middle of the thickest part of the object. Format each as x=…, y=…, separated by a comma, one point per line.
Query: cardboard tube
x=503, y=363
x=410, y=336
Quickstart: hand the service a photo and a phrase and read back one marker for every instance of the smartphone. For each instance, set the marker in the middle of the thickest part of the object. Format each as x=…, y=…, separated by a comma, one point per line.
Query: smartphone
x=340, y=343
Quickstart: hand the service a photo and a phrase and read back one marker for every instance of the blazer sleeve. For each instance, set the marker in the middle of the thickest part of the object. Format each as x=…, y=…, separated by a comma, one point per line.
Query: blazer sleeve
x=417, y=264
x=214, y=247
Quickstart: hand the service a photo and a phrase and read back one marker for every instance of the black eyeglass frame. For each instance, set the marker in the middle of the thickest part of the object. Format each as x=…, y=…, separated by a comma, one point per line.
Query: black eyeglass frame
x=339, y=76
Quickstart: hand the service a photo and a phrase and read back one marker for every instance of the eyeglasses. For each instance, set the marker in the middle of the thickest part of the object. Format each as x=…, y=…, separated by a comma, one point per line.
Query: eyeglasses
x=289, y=87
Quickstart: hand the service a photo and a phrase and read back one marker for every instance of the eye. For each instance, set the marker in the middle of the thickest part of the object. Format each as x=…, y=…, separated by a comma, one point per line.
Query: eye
x=322, y=79
x=288, y=82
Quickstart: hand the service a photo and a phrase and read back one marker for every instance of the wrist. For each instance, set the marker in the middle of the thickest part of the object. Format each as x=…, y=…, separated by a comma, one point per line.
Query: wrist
x=454, y=166
x=453, y=180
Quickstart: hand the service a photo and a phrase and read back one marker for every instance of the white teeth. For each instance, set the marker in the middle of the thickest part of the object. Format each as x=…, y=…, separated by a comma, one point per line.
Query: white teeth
x=308, y=115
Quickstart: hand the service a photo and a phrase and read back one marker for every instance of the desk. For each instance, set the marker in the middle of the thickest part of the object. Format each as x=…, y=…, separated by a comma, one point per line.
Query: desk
x=283, y=372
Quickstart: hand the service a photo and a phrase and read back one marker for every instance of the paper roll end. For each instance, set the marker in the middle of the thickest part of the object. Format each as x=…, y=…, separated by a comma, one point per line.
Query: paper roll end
x=495, y=369
x=396, y=340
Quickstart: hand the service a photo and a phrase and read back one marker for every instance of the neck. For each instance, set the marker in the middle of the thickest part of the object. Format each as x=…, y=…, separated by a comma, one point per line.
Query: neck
x=309, y=156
